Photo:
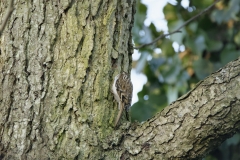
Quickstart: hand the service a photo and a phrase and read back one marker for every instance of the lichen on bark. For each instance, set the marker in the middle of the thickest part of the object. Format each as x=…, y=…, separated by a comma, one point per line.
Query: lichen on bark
x=56, y=71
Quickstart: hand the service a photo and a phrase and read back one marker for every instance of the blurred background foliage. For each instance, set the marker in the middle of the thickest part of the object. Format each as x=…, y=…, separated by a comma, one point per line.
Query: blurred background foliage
x=176, y=63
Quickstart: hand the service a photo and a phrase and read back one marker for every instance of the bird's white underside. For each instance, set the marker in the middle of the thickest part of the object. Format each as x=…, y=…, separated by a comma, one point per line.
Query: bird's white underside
x=114, y=90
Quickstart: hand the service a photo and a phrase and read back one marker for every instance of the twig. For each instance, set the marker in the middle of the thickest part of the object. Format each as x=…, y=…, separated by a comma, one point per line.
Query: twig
x=178, y=29
x=158, y=38
x=7, y=16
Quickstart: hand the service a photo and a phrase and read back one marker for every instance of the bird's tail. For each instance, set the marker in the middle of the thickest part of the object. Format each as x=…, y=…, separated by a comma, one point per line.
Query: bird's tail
x=127, y=108
x=119, y=114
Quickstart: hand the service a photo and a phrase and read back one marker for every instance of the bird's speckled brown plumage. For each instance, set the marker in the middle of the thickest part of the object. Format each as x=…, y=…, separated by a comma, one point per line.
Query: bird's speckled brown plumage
x=122, y=89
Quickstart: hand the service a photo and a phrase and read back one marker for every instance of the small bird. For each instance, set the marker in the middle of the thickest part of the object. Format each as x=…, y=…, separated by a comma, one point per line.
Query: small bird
x=122, y=89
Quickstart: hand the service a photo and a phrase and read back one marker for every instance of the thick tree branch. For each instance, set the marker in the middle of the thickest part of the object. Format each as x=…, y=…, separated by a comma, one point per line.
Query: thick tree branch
x=195, y=124
x=7, y=16
x=178, y=29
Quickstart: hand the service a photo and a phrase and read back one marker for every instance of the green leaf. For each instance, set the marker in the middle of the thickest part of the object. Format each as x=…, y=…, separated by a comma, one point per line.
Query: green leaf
x=229, y=54
x=197, y=44
x=170, y=75
x=171, y=70
x=237, y=38
x=170, y=13
x=227, y=13
x=201, y=4
x=167, y=48
x=203, y=68
x=213, y=45
x=145, y=108
x=177, y=37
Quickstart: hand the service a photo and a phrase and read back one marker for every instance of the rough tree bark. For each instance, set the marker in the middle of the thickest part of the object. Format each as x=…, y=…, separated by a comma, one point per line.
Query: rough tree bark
x=195, y=124
x=58, y=60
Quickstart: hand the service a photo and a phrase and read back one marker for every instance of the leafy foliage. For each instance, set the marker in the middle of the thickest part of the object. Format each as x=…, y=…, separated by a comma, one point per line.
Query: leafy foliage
x=203, y=46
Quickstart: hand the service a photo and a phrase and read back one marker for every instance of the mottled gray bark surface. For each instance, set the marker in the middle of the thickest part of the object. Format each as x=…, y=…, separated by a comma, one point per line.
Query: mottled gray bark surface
x=57, y=62
x=196, y=123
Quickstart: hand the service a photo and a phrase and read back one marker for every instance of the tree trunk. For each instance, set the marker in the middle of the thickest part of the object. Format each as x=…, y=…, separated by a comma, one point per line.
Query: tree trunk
x=58, y=60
